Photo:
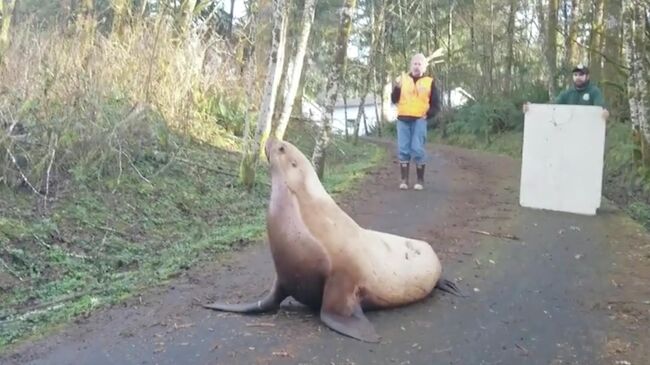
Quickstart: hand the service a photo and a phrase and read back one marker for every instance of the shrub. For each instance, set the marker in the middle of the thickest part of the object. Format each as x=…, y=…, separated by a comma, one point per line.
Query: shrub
x=484, y=118
x=81, y=112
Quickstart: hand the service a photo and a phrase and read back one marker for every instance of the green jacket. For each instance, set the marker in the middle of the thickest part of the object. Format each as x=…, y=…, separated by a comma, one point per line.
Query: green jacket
x=588, y=95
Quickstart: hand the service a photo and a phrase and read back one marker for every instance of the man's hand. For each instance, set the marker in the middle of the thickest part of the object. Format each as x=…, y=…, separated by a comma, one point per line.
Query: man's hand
x=605, y=113
x=398, y=81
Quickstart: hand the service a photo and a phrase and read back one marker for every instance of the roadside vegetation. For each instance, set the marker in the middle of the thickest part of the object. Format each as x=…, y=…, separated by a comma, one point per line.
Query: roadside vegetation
x=120, y=157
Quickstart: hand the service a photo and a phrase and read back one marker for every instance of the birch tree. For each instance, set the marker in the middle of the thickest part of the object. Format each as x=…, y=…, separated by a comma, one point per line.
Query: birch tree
x=294, y=79
x=7, y=11
x=634, y=29
x=254, y=149
x=333, y=82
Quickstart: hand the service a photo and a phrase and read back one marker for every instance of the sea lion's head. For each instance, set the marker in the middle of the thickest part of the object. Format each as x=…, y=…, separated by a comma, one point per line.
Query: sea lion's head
x=289, y=165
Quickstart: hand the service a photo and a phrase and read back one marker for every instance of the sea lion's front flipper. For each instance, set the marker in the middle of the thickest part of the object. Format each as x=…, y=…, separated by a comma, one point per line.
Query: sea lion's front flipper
x=270, y=302
x=342, y=313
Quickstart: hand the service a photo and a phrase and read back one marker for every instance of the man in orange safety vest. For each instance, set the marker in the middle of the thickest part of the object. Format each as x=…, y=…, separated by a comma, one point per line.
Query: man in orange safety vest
x=416, y=96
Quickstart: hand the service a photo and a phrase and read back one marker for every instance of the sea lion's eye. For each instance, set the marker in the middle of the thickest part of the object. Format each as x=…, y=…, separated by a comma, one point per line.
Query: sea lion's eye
x=281, y=148
x=294, y=164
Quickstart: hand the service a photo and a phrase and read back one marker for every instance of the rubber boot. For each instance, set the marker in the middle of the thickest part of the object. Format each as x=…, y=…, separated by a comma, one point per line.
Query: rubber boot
x=419, y=170
x=404, y=171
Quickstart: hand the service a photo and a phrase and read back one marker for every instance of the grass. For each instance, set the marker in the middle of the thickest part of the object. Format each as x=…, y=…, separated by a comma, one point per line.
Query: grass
x=103, y=241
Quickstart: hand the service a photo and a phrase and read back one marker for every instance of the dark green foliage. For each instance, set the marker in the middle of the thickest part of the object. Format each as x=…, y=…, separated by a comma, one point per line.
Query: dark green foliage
x=485, y=118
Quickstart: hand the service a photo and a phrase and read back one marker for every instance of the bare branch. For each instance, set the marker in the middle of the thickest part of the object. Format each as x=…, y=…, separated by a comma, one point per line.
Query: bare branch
x=49, y=169
x=22, y=175
x=12, y=272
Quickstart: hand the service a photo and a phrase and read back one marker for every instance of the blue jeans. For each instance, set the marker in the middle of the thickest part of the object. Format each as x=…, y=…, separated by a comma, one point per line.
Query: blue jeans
x=411, y=137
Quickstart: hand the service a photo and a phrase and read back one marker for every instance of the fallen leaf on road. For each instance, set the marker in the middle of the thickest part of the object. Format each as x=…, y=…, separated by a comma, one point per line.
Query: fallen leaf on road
x=282, y=354
x=500, y=235
x=525, y=351
x=442, y=350
x=260, y=324
x=178, y=326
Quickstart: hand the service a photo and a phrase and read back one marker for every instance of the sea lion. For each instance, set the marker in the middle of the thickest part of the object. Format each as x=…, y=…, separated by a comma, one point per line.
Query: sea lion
x=326, y=261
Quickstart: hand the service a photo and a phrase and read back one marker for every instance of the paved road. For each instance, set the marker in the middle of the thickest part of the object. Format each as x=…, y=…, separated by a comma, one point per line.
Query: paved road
x=540, y=289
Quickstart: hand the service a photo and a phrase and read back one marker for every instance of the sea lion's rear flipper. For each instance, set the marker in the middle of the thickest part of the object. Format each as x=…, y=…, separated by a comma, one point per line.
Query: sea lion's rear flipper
x=342, y=313
x=356, y=325
x=270, y=302
x=450, y=287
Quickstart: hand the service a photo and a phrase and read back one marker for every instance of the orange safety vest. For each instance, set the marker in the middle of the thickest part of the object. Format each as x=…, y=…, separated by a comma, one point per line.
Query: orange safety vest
x=414, y=97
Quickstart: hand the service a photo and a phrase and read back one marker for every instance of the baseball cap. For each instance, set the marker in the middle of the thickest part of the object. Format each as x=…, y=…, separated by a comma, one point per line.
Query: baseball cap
x=581, y=68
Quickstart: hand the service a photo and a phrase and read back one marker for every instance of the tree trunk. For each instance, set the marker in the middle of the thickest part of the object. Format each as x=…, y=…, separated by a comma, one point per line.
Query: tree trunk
x=634, y=26
x=360, y=112
x=491, y=65
x=471, y=27
x=345, y=107
x=186, y=16
x=7, y=11
x=450, y=30
x=596, y=41
x=385, y=99
x=249, y=80
x=551, y=47
x=298, y=62
x=333, y=82
x=541, y=17
x=86, y=26
x=571, y=41
x=143, y=10
x=121, y=12
x=613, y=77
x=379, y=71
x=255, y=149
x=232, y=17
x=511, y=41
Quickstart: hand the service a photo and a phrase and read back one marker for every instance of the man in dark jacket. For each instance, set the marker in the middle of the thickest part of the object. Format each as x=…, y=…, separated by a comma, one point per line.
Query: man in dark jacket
x=417, y=101
x=582, y=92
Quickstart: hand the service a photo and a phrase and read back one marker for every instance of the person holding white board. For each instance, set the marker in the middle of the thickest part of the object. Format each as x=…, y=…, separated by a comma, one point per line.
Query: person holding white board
x=582, y=92
x=563, y=149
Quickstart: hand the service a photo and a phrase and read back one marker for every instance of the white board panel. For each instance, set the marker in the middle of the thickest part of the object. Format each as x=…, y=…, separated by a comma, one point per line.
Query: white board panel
x=562, y=158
